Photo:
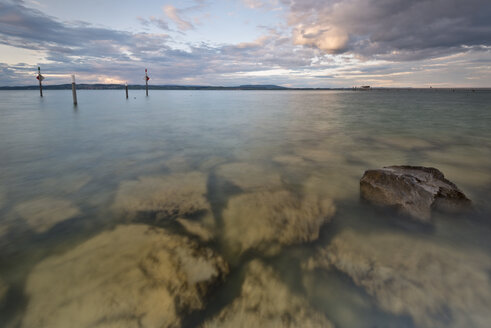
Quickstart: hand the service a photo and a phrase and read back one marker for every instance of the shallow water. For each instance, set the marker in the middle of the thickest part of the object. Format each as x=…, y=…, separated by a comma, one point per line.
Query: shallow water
x=67, y=171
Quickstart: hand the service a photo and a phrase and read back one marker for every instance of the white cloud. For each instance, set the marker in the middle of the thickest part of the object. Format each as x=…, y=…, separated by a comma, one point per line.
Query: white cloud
x=174, y=15
x=329, y=39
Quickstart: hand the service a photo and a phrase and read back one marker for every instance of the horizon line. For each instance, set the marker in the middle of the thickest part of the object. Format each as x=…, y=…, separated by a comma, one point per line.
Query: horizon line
x=262, y=86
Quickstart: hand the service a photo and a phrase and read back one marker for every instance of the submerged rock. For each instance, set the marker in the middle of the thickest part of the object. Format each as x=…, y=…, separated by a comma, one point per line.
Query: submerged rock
x=133, y=276
x=437, y=285
x=402, y=142
x=414, y=190
x=164, y=197
x=264, y=220
x=42, y=214
x=66, y=184
x=3, y=197
x=249, y=176
x=3, y=292
x=265, y=301
x=291, y=160
x=338, y=184
x=320, y=155
x=203, y=228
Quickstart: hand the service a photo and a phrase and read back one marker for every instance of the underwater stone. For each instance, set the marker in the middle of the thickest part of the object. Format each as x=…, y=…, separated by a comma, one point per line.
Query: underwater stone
x=132, y=276
x=266, y=220
x=414, y=190
x=43, y=213
x=3, y=292
x=437, y=285
x=3, y=197
x=163, y=197
x=249, y=176
x=265, y=301
x=204, y=228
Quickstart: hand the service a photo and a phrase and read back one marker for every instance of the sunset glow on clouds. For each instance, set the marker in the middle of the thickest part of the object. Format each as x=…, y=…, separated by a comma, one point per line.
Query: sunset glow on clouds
x=308, y=43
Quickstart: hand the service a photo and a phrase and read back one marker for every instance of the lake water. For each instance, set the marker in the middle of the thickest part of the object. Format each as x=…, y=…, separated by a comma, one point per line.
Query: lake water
x=230, y=163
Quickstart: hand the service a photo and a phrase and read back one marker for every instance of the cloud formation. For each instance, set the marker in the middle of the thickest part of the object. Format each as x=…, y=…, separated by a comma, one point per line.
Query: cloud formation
x=174, y=15
x=391, y=29
x=152, y=20
x=319, y=43
x=102, y=54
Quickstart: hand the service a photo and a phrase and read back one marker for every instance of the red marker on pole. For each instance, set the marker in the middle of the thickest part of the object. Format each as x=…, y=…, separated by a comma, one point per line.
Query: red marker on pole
x=40, y=79
x=146, y=81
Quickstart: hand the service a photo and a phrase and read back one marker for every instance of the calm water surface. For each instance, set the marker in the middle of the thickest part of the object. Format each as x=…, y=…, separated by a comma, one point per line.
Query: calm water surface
x=73, y=163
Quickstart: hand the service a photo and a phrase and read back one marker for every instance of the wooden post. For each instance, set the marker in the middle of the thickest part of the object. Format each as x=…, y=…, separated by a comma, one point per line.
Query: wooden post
x=40, y=78
x=146, y=81
x=126, y=87
x=74, y=90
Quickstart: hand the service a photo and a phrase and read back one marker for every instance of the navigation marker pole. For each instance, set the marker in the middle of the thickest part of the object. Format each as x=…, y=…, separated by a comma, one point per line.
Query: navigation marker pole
x=126, y=87
x=40, y=78
x=74, y=90
x=146, y=81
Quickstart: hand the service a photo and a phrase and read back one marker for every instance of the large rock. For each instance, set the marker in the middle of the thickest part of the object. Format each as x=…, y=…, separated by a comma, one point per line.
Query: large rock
x=163, y=197
x=414, y=190
x=438, y=285
x=266, y=220
x=265, y=301
x=133, y=276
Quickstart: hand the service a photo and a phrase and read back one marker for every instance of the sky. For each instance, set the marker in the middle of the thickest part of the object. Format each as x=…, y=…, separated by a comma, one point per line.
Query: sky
x=294, y=43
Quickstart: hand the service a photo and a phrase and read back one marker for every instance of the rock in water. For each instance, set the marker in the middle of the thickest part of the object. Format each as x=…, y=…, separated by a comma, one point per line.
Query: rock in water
x=163, y=197
x=414, y=190
x=438, y=285
x=267, y=220
x=3, y=196
x=265, y=301
x=3, y=292
x=43, y=213
x=133, y=276
x=249, y=176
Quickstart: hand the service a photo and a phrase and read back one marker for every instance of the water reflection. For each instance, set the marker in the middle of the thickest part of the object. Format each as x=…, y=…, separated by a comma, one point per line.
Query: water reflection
x=127, y=212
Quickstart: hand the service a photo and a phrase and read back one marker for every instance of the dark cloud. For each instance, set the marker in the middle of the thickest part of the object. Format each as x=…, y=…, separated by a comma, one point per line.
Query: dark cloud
x=7, y=74
x=391, y=29
x=21, y=26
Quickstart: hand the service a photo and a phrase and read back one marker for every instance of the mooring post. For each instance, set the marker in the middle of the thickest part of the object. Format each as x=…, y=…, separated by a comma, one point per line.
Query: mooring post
x=74, y=90
x=40, y=78
x=146, y=81
x=126, y=87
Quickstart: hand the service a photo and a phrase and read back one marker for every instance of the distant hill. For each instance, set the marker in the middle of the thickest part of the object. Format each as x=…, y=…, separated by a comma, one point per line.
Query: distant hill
x=261, y=87
x=99, y=86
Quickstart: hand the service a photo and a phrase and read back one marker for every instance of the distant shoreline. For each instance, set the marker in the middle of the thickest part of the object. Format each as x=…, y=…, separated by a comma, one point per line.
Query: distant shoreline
x=83, y=86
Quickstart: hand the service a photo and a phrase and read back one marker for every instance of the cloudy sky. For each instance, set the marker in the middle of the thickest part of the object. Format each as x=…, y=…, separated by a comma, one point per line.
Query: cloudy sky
x=302, y=43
